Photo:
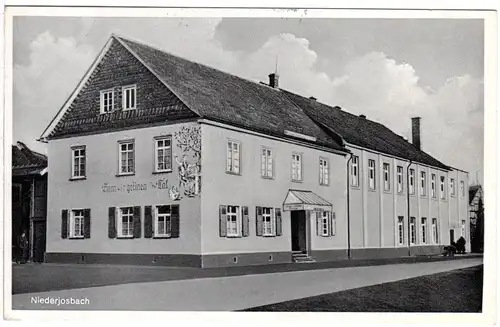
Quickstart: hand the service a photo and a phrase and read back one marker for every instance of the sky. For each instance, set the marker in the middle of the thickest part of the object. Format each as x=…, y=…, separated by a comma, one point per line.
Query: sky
x=387, y=69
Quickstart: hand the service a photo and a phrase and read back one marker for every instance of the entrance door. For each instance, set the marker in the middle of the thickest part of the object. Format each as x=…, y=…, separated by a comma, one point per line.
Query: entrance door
x=39, y=240
x=298, y=224
x=452, y=236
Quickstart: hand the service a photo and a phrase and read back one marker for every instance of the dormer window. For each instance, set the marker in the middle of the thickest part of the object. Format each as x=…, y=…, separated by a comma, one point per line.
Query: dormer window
x=129, y=97
x=107, y=101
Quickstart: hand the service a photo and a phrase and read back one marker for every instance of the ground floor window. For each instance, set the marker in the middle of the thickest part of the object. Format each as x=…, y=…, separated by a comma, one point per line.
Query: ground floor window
x=163, y=222
x=268, y=221
x=413, y=232
x=126, y=222
x=463, y=229
x=435, y=235
x=233, y=220
x=424, y=230
x=325, y=223
x=76, y=223
x=401, y=233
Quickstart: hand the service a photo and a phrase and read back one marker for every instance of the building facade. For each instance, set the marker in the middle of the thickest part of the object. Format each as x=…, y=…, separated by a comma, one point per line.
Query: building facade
x=168, y=162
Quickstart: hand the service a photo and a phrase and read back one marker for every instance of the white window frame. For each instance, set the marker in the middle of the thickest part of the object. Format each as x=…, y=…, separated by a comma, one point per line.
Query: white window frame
x=77, y=218
x=297, y=167
x=231, y=230
x=463, y=228
x=80, y=158
x=442, y=187
x=423, y=230
x=167, y=218
x=130, y=223
x=105, y=93
x=401, y=230
x=355, y=171
x=121, y=153
x=452, y=187
x=371, y=174
x=435, y=235
x=268, y=222
x=400, y=179
x=324, y=171
x=387, y=176
x=325, y=223
x=433, y=186
x=163, y=148
x=266, y=163
x=126, y=93
x=423, y=183
x=413, y=231
x=462, y=189
x=233, y=157
x=412, y=181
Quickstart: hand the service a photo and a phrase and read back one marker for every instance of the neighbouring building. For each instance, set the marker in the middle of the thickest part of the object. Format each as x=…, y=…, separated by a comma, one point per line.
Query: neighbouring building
x=29, y=201
x=165, y=161
x=476, y=212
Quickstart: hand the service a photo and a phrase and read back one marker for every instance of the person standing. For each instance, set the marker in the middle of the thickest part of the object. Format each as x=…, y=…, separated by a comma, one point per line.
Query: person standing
x=23, y=248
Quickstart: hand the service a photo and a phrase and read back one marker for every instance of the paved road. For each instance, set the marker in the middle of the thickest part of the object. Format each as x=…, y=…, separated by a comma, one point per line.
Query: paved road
x=234, y=293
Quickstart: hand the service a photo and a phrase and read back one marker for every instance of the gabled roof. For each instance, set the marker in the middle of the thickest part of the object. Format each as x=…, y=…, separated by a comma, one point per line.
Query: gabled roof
x=26, y=161
x=362, y=132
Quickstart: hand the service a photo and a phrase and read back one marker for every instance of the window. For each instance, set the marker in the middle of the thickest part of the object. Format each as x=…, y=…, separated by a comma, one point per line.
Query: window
x=163, y=222
x=387, y=177
x=462, y=188
x=423, y=183
x=77, y=223
x=126, y=222
x=163, y=158
x=400, y=179
x=412, y=181
x=107, y=101
x=413, y=232
x=433, y=185
x=233, y=220
x=268, y=222
x=371, y=174
x=401, y=233
x=127, y=157
x=452, y=187
x=233, y=157
x=463, y=229
x=325, y=223
x=129, y=97
x=424, y=230
x=435, y=235
x=79, y=162
x=442, y=188
x=266, y=167
x=355, y=171
x=296, y=167
x=323, y=171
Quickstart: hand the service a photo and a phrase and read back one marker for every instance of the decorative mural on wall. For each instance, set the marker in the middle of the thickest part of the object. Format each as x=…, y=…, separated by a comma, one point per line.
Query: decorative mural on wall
x=188, y=140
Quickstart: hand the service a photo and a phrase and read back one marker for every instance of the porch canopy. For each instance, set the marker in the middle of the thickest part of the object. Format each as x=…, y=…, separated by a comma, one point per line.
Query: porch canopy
x=305, y=200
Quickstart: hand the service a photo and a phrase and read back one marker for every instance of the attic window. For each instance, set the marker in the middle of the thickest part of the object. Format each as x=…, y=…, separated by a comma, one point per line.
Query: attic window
x=107, y=101
x=299, y=135
x=129, y=97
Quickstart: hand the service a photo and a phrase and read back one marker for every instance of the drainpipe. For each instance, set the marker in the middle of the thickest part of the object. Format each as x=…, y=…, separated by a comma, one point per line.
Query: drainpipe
x=348, y=212
x=408, y=202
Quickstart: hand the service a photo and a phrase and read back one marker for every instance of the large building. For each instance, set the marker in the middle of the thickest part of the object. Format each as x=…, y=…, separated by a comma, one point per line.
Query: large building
x=169, y=162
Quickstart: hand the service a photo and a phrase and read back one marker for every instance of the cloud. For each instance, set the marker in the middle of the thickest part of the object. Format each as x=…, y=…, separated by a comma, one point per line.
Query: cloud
x=374, y=84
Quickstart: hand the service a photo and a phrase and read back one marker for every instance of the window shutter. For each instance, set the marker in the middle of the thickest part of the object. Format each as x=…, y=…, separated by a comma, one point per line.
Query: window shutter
x=245, y=221
x=148, y=221
x=64, y=223
x=259, y=230
x=137, y=222
x=112, y=222
x=332, y=224
x=175, y=220
x=279, y=228
x=318, y=224
x=86, y=223
x=222, y=221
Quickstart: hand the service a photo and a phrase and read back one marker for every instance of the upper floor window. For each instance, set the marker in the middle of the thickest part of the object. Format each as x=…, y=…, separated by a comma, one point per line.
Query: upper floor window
x=371, y=174
x=163, y=157
x=412, y=181
x=423, y=183
x=107, y=101
x=296, y=167
x=233, y=157
x=266, y=167
x=79, y=162
x=324, y=171
x=129, y=97
x=433, y=185
x=452, y=187
x=400, y=179
x=442, y=190
x=387, y=177
x=127, y=157
x=462, y=188
x=355, y=171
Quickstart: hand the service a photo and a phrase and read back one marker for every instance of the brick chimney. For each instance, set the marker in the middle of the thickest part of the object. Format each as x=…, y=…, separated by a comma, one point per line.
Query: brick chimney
x=415, y=132
x=273, y=80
